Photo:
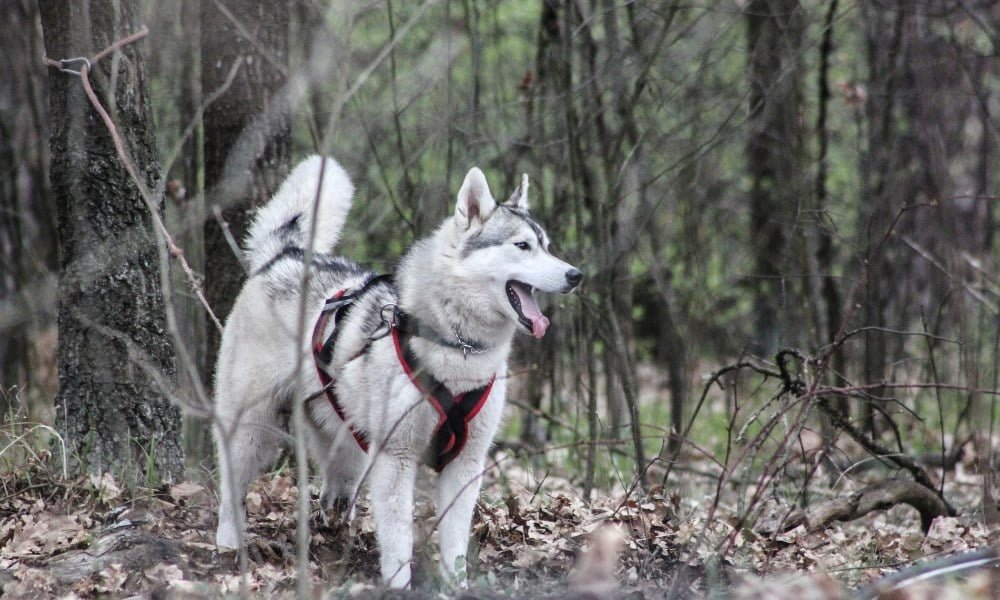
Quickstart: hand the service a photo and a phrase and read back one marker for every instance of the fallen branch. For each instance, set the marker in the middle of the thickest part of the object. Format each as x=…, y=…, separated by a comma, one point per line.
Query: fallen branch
x=133, y=549
x=875, y=449
x=888, y=586
x=881, y=496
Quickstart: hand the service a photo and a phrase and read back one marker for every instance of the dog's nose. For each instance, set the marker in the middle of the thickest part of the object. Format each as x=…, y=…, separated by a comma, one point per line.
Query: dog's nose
x=574, y=277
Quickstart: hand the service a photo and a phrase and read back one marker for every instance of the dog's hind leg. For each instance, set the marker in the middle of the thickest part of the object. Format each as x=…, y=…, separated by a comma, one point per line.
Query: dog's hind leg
x=244, y=445
x=342, y=463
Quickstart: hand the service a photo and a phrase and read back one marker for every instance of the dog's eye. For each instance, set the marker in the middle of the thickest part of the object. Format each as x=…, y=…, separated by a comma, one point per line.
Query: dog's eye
x=523, y=245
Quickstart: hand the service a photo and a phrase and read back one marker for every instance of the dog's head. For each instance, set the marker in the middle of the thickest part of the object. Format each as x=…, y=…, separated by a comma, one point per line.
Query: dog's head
x=503, y=246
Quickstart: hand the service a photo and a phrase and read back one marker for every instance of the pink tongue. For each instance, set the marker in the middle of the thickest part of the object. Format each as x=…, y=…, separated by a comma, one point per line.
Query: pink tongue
x=529, y=308
x=539, y=325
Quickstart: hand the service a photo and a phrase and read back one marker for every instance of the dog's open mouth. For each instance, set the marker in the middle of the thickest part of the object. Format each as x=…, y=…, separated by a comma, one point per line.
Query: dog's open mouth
x=528, y=313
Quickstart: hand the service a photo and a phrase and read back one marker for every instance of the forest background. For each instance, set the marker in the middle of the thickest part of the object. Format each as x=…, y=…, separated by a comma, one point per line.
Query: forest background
x=786, y=211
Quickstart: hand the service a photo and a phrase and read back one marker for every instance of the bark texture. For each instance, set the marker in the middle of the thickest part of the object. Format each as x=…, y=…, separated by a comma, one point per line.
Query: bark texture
x=112, y=413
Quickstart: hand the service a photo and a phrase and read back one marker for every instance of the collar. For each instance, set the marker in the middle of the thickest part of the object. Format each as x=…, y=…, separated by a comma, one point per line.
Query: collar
x=409, y=325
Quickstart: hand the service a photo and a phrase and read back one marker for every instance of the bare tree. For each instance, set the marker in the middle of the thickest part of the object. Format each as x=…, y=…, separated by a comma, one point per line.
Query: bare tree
x=774, y=34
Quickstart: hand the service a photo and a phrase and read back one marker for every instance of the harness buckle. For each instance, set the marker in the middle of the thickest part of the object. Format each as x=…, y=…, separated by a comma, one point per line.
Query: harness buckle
x=391, y=323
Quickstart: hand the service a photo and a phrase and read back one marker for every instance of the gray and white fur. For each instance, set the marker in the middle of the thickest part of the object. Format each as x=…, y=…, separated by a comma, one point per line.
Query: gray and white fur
x=471, y=281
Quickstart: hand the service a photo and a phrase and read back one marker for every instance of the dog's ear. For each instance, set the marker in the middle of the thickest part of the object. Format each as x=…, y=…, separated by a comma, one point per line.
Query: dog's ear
x=475, y=202
x=519, y=199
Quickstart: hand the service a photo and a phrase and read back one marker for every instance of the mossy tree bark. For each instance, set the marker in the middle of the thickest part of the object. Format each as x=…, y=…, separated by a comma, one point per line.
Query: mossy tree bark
x=114, y=354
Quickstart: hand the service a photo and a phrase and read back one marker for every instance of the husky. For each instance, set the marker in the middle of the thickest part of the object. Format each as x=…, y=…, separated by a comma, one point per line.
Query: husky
x=413, y=366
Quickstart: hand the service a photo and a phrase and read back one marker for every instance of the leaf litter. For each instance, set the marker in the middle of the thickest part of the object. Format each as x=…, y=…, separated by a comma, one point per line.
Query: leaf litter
x=530, y=538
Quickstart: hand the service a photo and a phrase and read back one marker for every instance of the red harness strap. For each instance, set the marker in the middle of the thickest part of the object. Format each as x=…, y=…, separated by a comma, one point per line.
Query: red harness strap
x=322, y=351
x=455, y=412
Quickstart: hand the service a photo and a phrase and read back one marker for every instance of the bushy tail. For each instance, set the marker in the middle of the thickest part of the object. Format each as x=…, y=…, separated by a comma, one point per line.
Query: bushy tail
x=286, y=221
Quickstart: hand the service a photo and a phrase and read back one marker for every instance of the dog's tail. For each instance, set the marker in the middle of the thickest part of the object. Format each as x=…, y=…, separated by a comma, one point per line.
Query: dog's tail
x=286, y=221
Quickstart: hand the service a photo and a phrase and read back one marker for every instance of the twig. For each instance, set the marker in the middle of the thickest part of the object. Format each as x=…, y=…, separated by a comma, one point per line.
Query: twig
x=540, y=413
x=179, y=145
x=234, y=246
x=265, y=52
x=891, y=331
x=854, y=390
x=926, y=255
x=125, y=41
x=712, y=379
x=303, y=584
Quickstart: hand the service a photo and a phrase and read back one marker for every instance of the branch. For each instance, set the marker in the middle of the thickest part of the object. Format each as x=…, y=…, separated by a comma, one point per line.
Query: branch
x=881, y=496
x=876, y=449
x=887, y=586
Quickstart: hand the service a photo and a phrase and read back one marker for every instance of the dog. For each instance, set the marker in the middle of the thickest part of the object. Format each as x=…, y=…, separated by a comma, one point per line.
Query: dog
x=412, y=367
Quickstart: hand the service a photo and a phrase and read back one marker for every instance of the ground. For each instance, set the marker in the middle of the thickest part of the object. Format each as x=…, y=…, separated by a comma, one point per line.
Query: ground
x=533, y=537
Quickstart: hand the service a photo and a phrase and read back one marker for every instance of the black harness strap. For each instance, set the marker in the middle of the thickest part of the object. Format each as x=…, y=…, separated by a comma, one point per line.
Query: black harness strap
x=454, y=412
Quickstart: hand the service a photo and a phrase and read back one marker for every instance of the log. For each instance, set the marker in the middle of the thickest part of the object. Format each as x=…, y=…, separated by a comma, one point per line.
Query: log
x=881, y=496
x=133, y=549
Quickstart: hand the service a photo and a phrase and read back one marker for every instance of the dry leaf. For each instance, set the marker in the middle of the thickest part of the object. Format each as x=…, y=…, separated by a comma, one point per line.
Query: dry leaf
x=106, y=487
x=111, y=578
x=164, y=573
x=184, y=490
x=29, y=583
x=43, y=535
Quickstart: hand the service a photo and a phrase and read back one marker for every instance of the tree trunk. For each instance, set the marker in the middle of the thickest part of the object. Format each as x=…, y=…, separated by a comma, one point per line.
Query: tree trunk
x=114, y=354
x=28, y=251
x=246, y=133
x=884, y=32
x=774, y=36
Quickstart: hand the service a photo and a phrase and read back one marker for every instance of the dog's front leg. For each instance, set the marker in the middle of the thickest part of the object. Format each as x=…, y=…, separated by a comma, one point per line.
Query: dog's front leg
x=392, y=500
x=457, y=490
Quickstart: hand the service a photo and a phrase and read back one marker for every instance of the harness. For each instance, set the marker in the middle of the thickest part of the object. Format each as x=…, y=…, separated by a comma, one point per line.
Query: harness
x=455, y=412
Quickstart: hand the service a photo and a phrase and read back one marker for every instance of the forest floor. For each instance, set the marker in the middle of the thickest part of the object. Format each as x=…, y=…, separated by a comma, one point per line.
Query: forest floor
x=532, y=538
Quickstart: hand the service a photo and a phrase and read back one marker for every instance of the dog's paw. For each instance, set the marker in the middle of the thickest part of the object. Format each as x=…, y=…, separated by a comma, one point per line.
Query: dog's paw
x=334, y=517
x=227, y=539
x=341, y=509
